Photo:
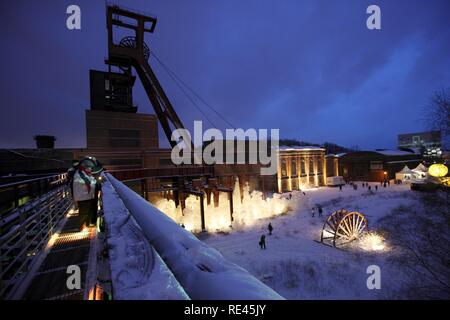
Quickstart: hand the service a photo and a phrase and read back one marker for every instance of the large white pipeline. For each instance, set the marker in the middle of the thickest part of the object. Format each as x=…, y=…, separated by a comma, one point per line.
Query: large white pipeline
x=202, y=271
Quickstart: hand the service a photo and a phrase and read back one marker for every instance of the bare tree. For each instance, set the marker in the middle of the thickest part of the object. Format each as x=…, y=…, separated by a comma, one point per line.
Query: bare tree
x=437, y=113
x=422, y=234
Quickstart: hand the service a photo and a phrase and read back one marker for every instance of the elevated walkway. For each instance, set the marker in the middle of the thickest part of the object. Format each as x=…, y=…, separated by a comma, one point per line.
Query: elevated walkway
x=66, y=248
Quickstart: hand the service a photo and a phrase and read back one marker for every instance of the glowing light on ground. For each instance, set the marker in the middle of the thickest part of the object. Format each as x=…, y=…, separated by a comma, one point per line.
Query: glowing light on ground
x=74, y=236
x=52, y=240
x=372, y=241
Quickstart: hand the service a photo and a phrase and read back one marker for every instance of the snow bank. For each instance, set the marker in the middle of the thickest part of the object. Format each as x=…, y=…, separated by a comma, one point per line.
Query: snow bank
x=201, y=270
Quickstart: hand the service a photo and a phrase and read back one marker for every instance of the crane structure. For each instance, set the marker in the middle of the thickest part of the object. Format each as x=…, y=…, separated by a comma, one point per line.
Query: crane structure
x=132, y=52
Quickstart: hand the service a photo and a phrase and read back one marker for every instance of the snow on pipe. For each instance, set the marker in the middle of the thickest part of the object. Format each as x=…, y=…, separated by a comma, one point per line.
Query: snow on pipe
x=202, y=271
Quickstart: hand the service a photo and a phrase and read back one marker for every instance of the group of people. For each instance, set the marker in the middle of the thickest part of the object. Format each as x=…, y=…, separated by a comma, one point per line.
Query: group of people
x=385, y=182
x=364, y=185
x=84, y=178
x=369, y=187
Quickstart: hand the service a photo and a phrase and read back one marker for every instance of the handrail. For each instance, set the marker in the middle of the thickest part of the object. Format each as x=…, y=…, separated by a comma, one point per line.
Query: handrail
x=163, y=172
x=12, y=195
x=30, y=227
x=60, y=176
x=202, y=271
x=187, y=167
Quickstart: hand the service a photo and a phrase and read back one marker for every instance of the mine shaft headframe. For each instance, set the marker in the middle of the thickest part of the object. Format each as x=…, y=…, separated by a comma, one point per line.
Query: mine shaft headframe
x=140, y=23
x=130, y=52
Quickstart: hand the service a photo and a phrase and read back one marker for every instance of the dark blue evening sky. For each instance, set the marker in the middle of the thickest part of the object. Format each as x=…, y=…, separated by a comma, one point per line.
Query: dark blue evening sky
x=308, y=67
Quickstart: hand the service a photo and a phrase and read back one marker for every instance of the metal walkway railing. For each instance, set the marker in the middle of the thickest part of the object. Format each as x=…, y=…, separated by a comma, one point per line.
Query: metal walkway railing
x=37, y=207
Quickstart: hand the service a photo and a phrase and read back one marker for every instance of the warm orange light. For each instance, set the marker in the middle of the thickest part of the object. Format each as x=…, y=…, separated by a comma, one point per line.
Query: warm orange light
x=75, y=236
x=92, y=232
x=95, y=293
x=52, y=240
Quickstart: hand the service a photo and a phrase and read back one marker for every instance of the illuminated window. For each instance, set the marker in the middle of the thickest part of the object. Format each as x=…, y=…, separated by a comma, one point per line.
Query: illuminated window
x=294, y=167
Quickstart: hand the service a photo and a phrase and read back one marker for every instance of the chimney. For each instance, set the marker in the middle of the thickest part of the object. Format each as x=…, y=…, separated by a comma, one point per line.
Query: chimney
x=45, y=142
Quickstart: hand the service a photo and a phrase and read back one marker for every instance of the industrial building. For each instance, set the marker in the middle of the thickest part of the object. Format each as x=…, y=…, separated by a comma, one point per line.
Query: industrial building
x=371, y=165
x=428, y=143
x=127, y=144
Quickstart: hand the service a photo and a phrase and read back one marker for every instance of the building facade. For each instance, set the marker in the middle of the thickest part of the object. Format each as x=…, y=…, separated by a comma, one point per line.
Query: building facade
x=376, y=165
x=123, y=140
x=300, y=167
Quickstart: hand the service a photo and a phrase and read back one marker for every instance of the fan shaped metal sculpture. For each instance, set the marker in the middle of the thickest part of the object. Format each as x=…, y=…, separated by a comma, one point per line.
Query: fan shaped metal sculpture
x=130, y=42
x=343, y=226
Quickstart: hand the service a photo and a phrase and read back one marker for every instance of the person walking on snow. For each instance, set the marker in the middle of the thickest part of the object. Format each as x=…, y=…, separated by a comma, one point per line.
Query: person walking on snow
x=313, y=211
x=270, y=228
x=262, y=242
x=319, y=207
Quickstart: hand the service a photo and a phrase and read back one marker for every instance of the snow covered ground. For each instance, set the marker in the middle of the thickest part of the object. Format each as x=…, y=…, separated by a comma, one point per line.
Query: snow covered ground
x=412, y=258
x=298, y=267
